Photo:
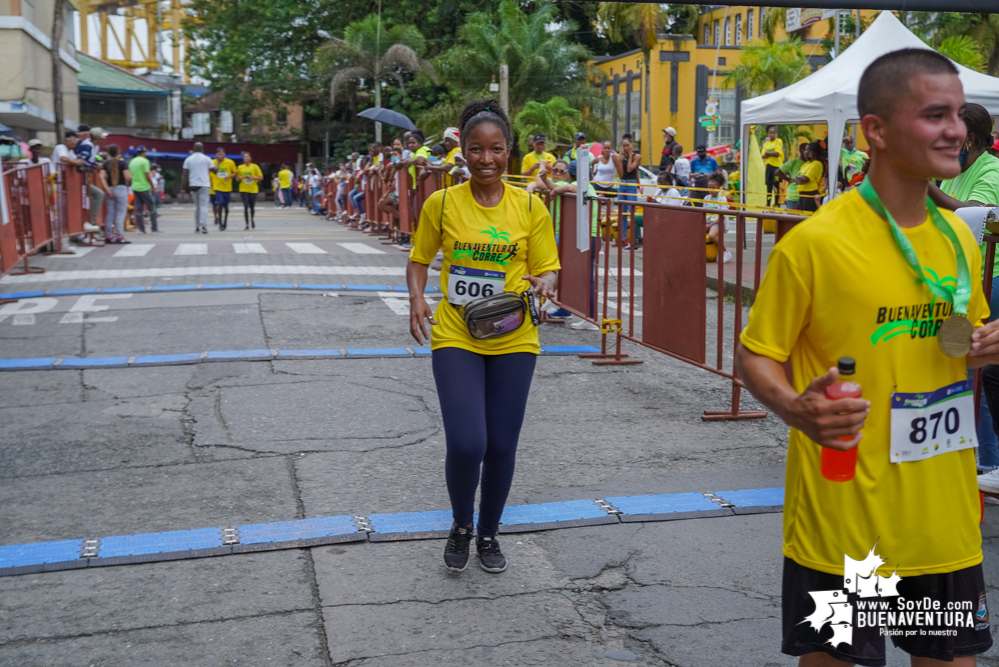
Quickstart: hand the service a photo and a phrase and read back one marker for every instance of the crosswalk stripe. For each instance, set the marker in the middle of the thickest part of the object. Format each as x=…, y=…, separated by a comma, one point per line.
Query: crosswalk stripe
x=249, y=249
x=135, y=250
x=361, y=249
x=191, y=249
x=76, y=251
x=183, y=271
x=307, y=248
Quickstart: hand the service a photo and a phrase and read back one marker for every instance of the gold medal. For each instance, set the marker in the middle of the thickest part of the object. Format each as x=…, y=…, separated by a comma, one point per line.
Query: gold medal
x=954, y=336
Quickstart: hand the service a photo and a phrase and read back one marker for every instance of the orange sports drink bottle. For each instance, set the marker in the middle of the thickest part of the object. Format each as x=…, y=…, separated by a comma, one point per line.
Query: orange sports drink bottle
x=840, y=466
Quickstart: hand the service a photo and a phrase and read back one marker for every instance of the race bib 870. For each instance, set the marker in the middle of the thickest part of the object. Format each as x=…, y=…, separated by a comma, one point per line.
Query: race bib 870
x=929, y=424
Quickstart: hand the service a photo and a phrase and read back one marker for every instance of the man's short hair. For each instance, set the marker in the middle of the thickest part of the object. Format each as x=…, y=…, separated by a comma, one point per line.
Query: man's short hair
x=69, y=133
x=886, y=80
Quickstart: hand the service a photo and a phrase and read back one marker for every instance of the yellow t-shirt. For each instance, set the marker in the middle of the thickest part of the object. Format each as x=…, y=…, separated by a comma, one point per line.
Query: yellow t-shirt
x=243, y=172
x=222, y=181
x=775, y=145
x=515, y=237
x=815, y=305
x=450, y=180
x=813, y=170
x=533, y=158
x=284, y=176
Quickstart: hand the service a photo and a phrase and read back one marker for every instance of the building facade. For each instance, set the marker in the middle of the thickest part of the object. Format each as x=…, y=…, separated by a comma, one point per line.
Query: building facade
x=26, y=99
x=686, y=71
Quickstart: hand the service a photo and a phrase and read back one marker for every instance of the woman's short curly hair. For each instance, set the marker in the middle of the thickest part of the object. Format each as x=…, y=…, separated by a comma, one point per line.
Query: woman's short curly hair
x=486, y=110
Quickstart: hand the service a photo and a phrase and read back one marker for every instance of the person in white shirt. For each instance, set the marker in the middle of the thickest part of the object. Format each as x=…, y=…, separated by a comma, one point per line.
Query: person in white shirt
x=195, y=178
x=681, y=167
x=63, y=154
x=35, y=149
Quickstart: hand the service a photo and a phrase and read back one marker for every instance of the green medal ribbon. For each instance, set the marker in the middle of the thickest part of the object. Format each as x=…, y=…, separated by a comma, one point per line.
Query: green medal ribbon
x=960, y=296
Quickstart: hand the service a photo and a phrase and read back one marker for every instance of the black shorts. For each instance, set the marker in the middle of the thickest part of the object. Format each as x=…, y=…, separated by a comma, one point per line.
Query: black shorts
x=945, y=635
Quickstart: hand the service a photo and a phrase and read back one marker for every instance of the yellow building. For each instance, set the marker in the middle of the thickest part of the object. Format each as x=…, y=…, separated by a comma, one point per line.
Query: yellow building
x=685, y=72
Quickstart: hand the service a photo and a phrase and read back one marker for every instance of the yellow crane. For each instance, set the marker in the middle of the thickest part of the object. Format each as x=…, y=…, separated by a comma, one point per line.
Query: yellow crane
x=159, y=15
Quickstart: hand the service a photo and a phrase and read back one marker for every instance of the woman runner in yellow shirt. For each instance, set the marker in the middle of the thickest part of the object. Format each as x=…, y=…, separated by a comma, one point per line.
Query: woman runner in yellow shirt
x=495, y=240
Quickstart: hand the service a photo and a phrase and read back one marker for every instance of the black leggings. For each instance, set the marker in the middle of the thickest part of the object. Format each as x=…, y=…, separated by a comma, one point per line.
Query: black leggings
x=773, y=185
x=483, y=398
x=249, y=202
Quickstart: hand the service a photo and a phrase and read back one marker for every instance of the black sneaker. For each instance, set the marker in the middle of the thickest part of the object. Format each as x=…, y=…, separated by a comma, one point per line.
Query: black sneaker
x=490, y=557
x=456, y=549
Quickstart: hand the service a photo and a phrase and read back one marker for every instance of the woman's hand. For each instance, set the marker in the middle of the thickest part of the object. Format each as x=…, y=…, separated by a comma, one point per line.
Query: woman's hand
x=419, y=310
x=543, y=285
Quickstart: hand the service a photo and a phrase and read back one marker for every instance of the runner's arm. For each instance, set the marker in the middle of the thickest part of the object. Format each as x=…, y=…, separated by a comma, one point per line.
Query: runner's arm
x=419, y=309
x=820, y=419
x=950, y=203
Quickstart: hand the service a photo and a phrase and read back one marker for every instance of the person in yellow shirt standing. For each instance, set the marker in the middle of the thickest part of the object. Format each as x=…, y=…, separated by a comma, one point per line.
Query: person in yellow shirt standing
x=499, y=251
x=284, y=179
x=537, y=158
x=249, y=176
x=809, y=179
x=883, y=276
x=222, y=186
x=773, y=159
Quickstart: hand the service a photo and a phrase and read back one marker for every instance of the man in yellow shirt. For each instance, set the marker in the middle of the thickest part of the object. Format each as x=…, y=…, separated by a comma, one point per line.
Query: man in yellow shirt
x=773, y=159
x=882, y=276
x=249, y=175
x=284, y=179
x=537, y=158
x=222, y=186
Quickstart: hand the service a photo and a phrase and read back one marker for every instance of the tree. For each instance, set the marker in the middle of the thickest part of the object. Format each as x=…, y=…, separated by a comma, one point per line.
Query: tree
x=963, y=50
x=538, y=49
x=370, y=54
x=644, y=22
x=981, y=28
x=774, y=19
x=768, y=66
x=555, y=119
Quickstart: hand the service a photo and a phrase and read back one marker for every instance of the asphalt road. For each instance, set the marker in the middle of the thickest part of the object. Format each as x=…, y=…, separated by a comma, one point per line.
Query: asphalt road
x=122, y=451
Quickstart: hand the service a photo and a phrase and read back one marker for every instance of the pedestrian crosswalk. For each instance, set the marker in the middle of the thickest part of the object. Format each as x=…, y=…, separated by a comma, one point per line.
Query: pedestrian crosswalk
x=222, y=248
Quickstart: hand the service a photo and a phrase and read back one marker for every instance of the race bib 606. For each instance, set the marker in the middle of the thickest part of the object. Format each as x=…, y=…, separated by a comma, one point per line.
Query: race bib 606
x=465, y=285
x=928, y=424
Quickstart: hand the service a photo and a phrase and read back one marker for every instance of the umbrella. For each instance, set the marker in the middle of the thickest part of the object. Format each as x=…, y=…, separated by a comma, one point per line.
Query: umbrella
x=389, y=117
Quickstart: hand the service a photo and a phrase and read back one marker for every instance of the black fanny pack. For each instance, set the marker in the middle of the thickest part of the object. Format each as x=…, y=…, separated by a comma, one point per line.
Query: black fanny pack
x=500, y=314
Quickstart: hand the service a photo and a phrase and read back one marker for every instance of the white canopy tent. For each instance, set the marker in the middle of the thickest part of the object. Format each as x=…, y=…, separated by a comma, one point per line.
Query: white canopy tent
x=830, y=94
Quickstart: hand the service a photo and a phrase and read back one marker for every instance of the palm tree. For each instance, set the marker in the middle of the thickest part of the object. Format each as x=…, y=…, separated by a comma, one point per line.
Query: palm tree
x=963, y=50
x=982, y=28
x=539, y=51
x=371, y=52
x=644, y=22
x=555, y=119
x=768, y=66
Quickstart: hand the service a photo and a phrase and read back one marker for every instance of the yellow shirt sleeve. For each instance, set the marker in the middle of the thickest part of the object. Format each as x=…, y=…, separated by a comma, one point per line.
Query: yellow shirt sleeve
x=542, y=253
x=781, y=310
x=427, y=240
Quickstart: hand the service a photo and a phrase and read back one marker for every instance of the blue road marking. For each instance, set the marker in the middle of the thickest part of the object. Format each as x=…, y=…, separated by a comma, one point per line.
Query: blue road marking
x=663, y=503
x=154, y=543
x=26, y=364
x=303, y=529
x=211, y=286
x=753, y=497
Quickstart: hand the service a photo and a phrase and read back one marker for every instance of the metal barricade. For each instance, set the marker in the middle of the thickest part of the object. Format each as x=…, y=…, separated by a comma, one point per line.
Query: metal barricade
x=670, y=315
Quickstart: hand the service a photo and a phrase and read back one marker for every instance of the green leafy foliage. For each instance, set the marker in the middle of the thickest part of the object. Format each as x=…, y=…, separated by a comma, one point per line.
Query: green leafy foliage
x=766, y=66
x=555, y=119
x=963, y=50
x=543, y=62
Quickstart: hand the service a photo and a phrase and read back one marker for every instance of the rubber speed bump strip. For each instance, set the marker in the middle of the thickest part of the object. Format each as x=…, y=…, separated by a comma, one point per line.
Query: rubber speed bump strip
x=308, y=287
x=298, y=534
x=78, y=363
x=754, y=501
x=550, y=516
x=36, y=557
x=409, y=526
x=666, y=507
